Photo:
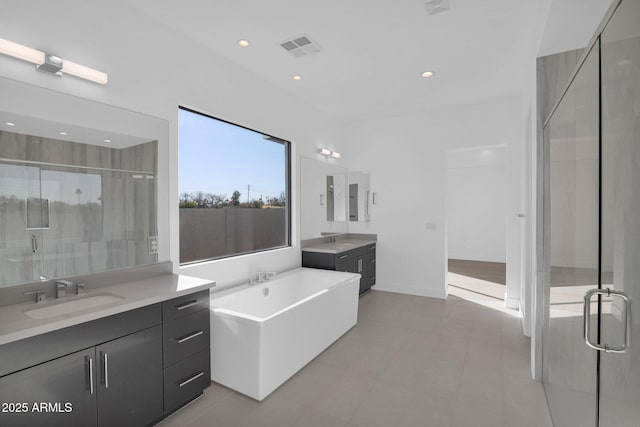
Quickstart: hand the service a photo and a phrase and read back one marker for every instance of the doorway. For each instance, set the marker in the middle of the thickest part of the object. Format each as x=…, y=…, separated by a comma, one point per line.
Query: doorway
x=477, y=222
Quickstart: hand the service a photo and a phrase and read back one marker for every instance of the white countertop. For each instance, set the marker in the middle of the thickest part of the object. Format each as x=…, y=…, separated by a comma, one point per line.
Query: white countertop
x=16, y=325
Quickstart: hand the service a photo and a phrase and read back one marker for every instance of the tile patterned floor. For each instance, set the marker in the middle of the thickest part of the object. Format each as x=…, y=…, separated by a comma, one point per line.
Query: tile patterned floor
x=410, y=361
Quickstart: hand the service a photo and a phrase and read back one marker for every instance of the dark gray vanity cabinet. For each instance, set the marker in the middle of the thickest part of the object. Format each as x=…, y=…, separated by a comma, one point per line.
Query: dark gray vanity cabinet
x=360, y=260
x=129, y=369
x=129, y=374
x=186, y=346
x=115, y=380
x=52, y=394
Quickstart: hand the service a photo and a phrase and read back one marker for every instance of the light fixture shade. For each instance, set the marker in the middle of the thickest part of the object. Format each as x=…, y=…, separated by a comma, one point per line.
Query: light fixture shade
x=83, y=72
x=325, y=151
x=21, y=52
x=335, y=155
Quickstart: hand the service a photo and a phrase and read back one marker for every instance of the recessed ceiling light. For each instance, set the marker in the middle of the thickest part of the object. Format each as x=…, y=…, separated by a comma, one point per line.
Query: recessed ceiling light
x=297, y=77
x=107, y=140
x=427, y=74
x=63, y=133
x=10, y=124
x=244, y=43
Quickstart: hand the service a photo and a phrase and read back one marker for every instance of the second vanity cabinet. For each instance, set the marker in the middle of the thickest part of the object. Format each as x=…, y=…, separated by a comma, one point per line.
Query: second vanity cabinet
x=359, y=260
x=114, y=371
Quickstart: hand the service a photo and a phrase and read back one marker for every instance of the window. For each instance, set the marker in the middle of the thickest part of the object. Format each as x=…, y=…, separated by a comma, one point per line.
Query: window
x=234, y=189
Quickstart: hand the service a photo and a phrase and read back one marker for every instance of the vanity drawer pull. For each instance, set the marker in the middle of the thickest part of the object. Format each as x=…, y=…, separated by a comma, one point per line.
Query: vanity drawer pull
x=189, y=336
x=372, y=261
x=193, y=378
x=372, y=248
x=343, y=256
x=187, y=305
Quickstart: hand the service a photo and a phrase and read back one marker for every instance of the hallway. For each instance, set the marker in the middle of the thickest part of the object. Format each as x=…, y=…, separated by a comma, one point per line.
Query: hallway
x=411, y=361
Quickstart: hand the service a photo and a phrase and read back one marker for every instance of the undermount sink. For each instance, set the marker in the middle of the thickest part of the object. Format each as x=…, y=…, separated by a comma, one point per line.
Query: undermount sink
x=56, y=308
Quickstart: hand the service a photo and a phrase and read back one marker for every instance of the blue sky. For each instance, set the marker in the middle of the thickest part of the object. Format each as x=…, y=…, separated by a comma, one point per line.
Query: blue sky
x=218, y=157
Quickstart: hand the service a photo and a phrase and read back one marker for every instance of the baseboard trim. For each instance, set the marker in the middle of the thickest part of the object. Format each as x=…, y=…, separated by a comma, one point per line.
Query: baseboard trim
x=512, y=303
x=411, y=290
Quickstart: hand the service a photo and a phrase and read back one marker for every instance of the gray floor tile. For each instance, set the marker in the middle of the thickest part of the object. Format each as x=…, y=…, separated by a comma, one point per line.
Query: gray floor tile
x=410, y=361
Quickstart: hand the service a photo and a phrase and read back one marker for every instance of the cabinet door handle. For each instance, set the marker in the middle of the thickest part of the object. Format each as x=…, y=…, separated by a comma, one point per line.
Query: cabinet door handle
x=193, y=378
x=89, y=365
x=343, y=256
x=34, y=244
x=105, y=367
x=189, y=336
x=360, y=265
x=186, y=305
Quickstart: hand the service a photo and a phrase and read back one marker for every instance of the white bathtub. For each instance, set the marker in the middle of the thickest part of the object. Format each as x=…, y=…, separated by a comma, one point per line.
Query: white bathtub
x=259, y=341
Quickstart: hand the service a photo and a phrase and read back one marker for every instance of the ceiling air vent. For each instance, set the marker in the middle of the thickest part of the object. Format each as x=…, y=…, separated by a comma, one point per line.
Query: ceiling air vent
x=438, y=6
x=300, y=46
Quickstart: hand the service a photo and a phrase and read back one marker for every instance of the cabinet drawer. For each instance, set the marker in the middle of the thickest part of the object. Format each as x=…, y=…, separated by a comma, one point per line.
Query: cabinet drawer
x=353, y=253
x=186, y=380
x=372, y=250
x=371, y=268
x=185, y=305
x=185, y=336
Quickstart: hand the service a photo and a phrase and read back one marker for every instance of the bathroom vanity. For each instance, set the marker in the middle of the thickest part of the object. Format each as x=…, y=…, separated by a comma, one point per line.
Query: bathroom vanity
x=353, y=253
x=134, y=359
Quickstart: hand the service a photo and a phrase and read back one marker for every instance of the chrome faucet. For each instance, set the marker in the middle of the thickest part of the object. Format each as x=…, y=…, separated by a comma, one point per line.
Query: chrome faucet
x=262, y=276
x=61, y=287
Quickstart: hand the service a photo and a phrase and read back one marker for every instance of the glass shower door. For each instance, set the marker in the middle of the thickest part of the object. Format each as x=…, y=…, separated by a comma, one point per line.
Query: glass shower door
x=620, y=58
x=571, y=248
x=21, y=211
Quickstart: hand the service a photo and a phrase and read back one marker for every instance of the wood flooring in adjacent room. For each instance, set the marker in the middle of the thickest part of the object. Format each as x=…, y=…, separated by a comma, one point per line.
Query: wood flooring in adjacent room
x=410, y=361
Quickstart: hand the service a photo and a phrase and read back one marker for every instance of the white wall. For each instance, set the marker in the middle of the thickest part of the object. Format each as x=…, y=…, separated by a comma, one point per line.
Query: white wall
x=153, y=69
x=407, y=161
x=477, y=203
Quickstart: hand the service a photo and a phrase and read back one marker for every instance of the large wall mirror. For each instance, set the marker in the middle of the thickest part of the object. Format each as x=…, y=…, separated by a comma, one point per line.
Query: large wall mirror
x=83, y=186
x=323, y=198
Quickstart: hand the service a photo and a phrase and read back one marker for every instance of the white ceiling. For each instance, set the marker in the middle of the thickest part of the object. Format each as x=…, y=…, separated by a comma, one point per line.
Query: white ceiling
x=571, y=24
x=373, y=50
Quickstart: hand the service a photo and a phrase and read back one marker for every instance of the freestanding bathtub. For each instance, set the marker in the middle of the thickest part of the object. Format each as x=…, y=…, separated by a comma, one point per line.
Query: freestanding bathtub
x=263, y=334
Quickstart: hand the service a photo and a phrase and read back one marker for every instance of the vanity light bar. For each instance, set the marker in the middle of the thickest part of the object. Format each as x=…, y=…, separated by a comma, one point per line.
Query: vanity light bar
x=51, y=63
x=329, y=153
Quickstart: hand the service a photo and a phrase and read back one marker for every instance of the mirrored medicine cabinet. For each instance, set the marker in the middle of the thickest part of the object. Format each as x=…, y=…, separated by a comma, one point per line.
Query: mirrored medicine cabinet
x=331, y=197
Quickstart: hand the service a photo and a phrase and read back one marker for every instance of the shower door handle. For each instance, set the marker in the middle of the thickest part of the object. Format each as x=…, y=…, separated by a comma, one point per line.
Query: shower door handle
x=625, y=319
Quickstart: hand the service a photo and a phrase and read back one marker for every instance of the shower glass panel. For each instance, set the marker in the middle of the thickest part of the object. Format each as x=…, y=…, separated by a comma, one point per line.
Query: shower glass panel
x=571, y=248
x=100, y=220
x=20, y=259
x=620, y=59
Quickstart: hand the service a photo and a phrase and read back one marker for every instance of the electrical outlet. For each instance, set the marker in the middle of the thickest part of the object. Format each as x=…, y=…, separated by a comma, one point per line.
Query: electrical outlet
x=152, y=244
